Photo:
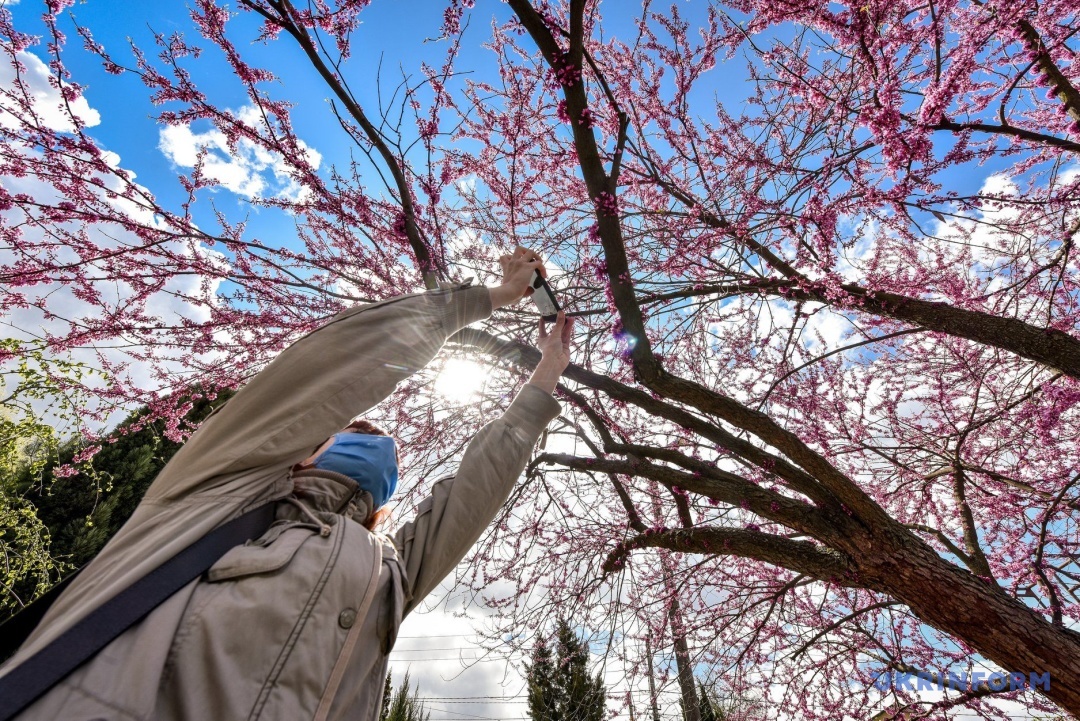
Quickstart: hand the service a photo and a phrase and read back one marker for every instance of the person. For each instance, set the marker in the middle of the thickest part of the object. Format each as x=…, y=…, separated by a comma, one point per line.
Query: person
x=298, y=623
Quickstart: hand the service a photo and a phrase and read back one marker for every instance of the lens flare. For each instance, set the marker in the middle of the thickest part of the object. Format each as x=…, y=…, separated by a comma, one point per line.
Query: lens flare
x=460, y=380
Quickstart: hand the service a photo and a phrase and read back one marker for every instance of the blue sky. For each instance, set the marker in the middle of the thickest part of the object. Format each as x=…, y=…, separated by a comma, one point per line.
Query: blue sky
x=393, y=31
x=397, y=32
x=390, y=30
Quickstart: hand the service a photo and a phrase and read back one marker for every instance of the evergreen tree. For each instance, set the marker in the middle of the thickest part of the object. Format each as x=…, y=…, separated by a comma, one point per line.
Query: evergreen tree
x=387, y=693
x=82, y=512
x=560, y=688
x=716, y=707
x=404, y=706
x=541, y=677
x=709, y=708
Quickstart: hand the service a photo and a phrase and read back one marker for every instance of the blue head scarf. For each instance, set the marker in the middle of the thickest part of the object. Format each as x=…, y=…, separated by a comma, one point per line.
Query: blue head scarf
x=369, y=460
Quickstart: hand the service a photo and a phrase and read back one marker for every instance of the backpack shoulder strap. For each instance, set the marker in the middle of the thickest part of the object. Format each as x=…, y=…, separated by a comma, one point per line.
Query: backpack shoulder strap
x=37, y=674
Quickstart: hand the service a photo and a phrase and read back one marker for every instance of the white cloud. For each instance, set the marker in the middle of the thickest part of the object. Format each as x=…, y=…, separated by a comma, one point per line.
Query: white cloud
x=440, y=653
x=57, y=309
x=247, y=170
x=41, y=95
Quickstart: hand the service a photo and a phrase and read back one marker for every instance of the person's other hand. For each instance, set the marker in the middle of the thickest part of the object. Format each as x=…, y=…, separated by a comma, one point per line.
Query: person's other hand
x=555, y=345
x=517, y=271
x=554, y=348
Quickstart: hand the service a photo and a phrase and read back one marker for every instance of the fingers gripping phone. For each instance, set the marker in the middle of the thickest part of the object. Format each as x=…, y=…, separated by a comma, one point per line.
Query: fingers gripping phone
x=544, y=298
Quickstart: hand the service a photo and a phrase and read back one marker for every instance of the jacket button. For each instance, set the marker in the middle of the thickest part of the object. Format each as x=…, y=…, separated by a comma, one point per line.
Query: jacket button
x=347, y=618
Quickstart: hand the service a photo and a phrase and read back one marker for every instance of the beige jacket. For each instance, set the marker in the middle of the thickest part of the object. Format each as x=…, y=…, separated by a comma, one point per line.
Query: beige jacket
x=297, y=624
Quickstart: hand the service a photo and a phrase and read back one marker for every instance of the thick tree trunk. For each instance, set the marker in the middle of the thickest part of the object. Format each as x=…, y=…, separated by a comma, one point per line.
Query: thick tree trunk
x=691, y=710
x=979, y=613
x=685, y=668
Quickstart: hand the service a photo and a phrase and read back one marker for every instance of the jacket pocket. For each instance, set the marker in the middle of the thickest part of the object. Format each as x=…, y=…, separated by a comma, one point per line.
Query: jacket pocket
x=261, y=557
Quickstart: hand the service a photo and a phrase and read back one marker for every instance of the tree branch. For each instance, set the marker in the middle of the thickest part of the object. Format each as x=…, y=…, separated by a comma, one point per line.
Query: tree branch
x=527, y=357
x=285, y=19
x=1012, y=130
x=798, y=556
x=597, y=182
x=719, y=485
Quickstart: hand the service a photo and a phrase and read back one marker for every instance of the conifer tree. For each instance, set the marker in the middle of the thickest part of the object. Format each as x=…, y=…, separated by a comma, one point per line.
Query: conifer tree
x=76, y=515
x=560, y=688
x=388, y=692
x=714, y=706
x=709, y=709
x=401, y=705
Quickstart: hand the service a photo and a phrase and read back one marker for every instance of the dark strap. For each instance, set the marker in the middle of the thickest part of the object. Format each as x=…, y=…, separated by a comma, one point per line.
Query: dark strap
x=32, y=678
x=15, y=630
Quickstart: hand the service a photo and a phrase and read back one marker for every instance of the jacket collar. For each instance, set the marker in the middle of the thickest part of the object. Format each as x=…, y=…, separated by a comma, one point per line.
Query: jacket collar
x=330, y=492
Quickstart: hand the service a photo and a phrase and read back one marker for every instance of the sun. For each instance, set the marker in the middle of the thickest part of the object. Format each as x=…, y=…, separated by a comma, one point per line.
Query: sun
x=461, y=380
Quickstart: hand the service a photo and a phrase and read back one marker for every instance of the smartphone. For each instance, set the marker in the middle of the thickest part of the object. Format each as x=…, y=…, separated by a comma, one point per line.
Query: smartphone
x=544, y=298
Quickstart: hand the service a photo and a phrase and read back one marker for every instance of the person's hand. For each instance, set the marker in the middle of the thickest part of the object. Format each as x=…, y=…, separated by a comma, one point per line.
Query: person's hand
x=555, y=345
x=554, y=348
x=517, y=271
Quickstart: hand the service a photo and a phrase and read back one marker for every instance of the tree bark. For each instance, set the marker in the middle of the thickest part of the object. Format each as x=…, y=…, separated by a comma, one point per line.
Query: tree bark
x=1051, y=347
x=652, y=681
x=691, y=711
x=979, y=613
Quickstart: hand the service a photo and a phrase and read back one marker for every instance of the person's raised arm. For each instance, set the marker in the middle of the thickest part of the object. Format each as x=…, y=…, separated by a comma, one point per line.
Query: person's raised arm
x=452, y=518
x=318, y=384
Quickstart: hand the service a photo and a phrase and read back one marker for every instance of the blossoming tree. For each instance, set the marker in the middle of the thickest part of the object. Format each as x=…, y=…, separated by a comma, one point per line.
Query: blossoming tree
x=823, y=419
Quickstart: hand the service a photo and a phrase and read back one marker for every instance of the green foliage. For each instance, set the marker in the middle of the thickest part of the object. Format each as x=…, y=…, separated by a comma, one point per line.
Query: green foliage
x=560, y=687
x=28, y=568
x=716, y=707
x=388, y=692
x=66, y=520
x=403, y=706
x=32, y=386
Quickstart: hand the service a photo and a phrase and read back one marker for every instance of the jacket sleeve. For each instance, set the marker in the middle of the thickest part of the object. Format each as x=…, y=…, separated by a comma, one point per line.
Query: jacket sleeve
x=450, y=520
x=317, y=385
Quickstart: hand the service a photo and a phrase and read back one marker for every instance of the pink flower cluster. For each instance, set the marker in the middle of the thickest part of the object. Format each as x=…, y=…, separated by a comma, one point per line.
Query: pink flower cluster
x=607, y=204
